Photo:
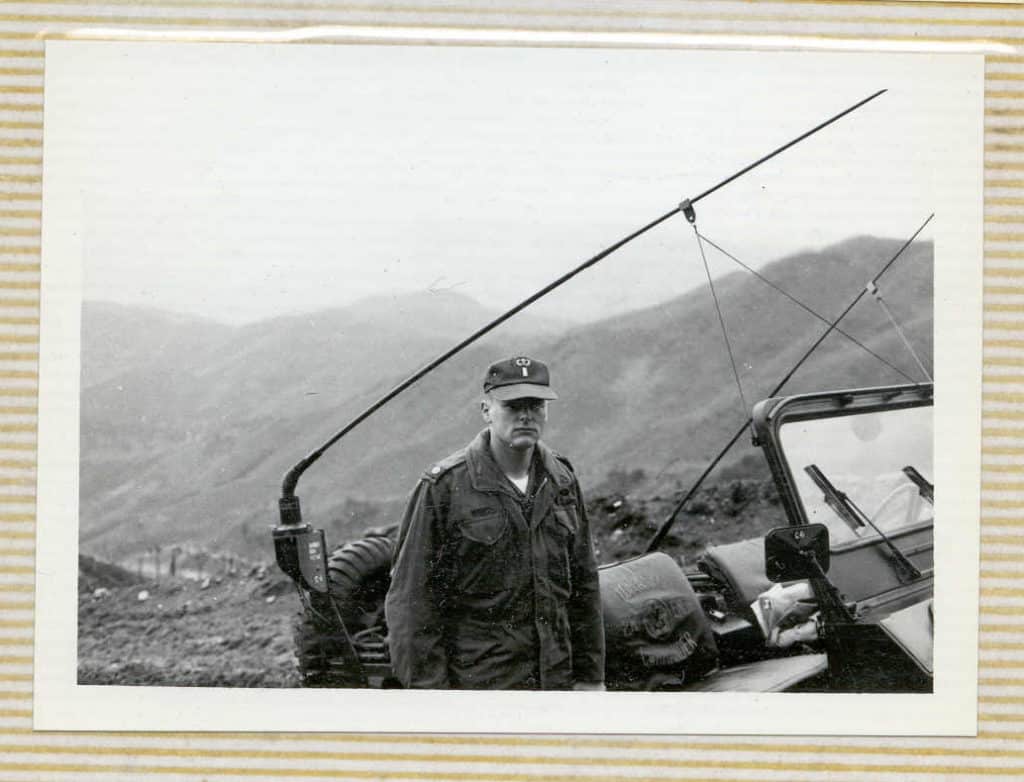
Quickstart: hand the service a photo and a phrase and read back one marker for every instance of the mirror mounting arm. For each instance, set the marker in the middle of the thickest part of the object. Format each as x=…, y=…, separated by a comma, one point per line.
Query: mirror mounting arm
x=830, y=601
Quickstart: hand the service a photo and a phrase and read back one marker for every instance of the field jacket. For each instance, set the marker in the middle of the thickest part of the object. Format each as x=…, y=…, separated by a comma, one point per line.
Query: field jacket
x=489, y=591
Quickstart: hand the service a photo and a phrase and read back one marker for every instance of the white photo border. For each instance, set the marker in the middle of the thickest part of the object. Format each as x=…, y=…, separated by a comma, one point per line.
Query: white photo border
x=60, y=703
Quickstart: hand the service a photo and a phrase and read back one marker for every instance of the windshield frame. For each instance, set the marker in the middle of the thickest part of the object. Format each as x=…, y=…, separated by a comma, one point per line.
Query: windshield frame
x=770, y=415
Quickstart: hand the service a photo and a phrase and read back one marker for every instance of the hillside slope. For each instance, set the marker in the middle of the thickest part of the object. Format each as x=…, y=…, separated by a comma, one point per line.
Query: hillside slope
x=193, y=448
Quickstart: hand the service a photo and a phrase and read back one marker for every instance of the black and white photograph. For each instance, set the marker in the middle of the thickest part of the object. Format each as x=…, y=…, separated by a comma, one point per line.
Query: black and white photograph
x=588, y=386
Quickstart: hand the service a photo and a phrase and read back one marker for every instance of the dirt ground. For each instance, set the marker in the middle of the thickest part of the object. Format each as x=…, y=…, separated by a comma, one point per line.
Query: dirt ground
x=622, y=525
x=235, y=631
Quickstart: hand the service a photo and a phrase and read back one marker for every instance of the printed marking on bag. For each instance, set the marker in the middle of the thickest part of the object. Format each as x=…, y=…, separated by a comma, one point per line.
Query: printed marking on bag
x=671, y=654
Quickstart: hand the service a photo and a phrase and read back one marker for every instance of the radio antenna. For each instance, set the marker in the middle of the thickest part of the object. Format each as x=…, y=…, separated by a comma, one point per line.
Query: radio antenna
x=291, y=514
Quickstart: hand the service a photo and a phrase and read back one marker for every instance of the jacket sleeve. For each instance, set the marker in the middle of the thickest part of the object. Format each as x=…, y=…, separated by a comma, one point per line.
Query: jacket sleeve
x=585, y=615
x=415, y=629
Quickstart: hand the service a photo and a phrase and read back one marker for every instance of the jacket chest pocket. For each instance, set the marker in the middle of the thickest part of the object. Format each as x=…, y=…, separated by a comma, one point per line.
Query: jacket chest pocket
x=561, y=538
x=484, y=525
x=486, y=555
x=566, y=520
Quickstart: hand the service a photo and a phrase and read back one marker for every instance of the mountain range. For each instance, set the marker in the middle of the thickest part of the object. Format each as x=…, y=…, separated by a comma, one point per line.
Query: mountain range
x=188, y=425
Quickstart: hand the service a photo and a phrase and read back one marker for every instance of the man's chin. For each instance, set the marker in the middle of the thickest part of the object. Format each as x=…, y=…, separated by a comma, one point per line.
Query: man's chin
x=523, y=441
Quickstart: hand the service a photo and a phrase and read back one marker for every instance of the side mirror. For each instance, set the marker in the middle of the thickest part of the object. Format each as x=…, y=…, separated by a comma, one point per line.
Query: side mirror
x=796, y=553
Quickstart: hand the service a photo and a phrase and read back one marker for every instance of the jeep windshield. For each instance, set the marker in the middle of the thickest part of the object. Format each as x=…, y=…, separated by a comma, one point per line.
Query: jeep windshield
x=880, y=460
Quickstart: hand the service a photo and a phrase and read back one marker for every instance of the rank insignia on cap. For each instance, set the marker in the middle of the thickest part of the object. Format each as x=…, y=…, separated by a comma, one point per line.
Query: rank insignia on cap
x=518, y=377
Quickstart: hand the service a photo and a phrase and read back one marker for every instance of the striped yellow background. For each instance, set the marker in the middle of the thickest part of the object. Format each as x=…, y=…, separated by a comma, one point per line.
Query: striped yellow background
x=997, y=752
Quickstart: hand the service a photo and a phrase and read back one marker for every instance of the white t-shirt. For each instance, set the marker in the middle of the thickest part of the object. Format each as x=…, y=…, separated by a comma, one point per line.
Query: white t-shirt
x=520, y=483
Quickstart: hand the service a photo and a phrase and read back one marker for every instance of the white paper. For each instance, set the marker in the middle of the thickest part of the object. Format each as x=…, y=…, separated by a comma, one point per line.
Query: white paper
x=208, y=179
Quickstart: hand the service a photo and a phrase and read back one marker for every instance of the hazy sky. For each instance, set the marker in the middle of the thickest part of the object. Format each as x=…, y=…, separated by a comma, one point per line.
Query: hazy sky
x=246, y=181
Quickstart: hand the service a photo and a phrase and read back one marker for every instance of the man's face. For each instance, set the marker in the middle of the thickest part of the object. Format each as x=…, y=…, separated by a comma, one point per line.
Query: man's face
x=517, y=423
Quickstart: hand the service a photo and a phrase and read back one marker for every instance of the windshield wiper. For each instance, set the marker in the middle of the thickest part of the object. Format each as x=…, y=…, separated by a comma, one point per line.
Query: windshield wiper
x=848, y=511
x=926, y=489
x=840, y=504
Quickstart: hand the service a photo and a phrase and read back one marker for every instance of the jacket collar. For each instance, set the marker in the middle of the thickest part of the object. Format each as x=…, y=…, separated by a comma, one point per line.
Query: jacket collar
x=485, y=474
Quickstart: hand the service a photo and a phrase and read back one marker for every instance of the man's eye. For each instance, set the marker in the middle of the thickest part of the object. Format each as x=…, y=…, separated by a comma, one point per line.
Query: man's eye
x=517, y=407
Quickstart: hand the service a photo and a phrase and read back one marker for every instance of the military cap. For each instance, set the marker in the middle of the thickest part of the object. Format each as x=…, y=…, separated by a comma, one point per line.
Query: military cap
x=518, y=378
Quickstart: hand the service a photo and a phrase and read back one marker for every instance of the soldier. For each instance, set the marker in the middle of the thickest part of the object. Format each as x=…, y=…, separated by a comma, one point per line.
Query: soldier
x=494, y=584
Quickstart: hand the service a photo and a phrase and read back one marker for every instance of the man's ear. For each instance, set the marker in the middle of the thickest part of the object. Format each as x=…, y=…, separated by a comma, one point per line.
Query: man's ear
x=485, y=410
